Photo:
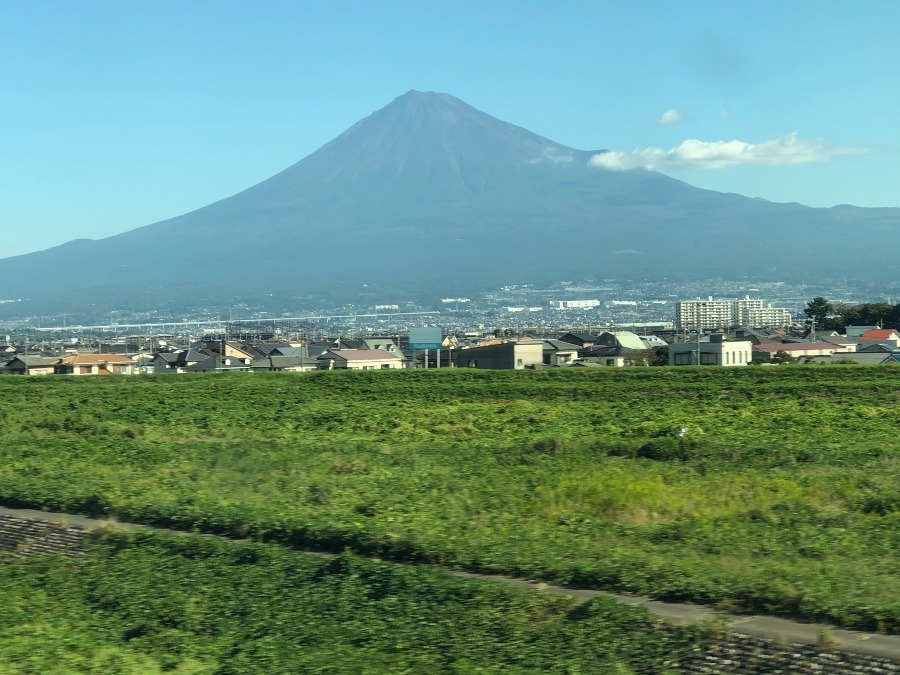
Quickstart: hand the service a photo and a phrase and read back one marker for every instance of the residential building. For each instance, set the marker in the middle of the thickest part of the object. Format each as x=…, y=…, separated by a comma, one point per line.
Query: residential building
x=879, y=336
x=559, y=353
x=703, y=314
x=275, y=362
x=717, y=314
x=581, y=340
x=621, y=338
x=94, y=364
x=844, y=344
x=511, y=355
x=855, y=332
x=716, y=352
x=741, y=309
x=30, y=365
x=616, y=349
x=765, y=317
x=795, y=350
x=358, y=359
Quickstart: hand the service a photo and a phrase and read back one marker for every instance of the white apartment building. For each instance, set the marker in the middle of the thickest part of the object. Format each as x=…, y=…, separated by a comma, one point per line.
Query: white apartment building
x=709, y=313
x=703, y=314
x=766, y=317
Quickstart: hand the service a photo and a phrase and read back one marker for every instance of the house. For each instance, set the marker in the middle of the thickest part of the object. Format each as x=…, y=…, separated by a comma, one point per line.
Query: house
x=795, y=350
x=180, y=361
x=876, y=355
x=844, y=344
x=559, y=353
x=321, y=346
x=233, y=350
x=581, y=340
x=386, y=344
x=164, y=362
x=216, y=363
x=30, y=365
x=510, y=355
x=617, y=349
x=759, y=336
x=278, y=362
x=854, y=332
x=653, y=341
x=599, y=355
x=94, y=364
x=625, y=340
x=878, y=336
x=358, y=359
x=716, y=352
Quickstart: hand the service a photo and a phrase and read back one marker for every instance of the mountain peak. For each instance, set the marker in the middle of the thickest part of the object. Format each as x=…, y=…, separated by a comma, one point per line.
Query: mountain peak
x=438, y=134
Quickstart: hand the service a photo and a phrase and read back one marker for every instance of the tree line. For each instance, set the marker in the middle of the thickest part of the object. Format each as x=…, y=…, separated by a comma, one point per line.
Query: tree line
x=837, y=316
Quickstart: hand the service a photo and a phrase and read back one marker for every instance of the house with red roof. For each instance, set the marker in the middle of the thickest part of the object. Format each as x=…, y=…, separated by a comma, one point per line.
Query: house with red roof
x=94, y=364
x=879, y=336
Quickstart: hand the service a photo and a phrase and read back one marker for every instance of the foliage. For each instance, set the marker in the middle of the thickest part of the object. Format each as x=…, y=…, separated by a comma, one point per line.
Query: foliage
x=778, y=496
x=782, y=356
x=838, y=316
x=148, y=603
x=818, y=309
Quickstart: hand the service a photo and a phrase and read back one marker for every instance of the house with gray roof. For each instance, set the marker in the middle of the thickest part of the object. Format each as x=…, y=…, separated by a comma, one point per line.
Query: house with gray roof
x=279, y=363
x=23, y=364
x=559, y=353
x=509, y=355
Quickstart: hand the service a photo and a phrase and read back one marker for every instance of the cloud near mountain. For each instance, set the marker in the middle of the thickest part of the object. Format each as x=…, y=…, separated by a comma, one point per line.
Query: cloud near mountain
x=696, y=154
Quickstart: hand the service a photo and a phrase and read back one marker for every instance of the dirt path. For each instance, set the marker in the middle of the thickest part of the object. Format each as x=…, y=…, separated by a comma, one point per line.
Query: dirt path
x=767, y=627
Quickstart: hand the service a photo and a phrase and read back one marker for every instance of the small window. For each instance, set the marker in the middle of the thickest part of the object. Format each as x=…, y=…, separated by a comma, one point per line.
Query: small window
x=518, y=362
x=709, y=359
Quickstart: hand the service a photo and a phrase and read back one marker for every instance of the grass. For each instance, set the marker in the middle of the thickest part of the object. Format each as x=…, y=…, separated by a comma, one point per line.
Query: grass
x=782, y=496
x=152, y=603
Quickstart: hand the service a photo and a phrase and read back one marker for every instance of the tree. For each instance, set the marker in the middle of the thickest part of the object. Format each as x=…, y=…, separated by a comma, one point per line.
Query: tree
x=818, y=309
x=662, y=357
x=782, y=356
x=640, y=357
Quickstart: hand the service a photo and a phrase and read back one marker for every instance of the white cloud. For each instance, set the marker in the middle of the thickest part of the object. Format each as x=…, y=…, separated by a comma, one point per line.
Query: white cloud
x=669, y=117
x=694, y=154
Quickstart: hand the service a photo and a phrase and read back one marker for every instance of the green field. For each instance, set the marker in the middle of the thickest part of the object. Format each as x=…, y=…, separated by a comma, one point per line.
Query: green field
x=151, y=603
x=782, y=496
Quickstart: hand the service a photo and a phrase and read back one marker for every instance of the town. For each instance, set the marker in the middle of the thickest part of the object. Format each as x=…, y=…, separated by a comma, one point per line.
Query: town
x=707, y=332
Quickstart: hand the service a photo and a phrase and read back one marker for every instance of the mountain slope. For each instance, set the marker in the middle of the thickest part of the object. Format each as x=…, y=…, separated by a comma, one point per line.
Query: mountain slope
x=431, y=196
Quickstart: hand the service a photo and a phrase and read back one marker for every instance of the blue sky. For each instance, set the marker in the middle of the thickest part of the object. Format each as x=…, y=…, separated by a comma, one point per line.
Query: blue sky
x=118, y=114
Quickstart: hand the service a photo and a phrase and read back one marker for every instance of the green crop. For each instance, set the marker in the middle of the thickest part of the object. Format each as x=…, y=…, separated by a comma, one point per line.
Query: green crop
x=767, y=489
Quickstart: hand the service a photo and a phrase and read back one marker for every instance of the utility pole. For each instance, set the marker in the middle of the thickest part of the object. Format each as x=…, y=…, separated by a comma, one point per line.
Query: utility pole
x=698, y=342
